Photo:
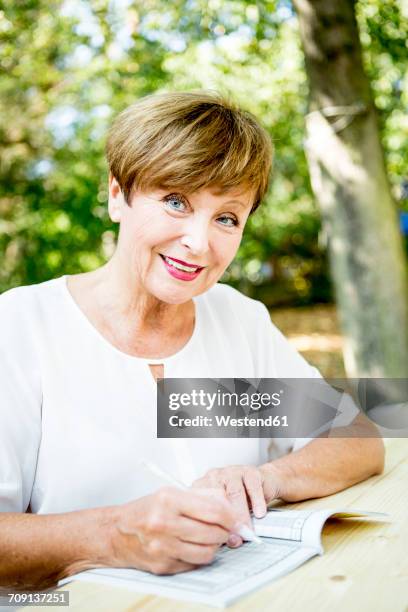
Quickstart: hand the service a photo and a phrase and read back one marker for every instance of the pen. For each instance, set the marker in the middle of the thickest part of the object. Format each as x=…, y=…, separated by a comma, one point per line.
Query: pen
x=245, y=532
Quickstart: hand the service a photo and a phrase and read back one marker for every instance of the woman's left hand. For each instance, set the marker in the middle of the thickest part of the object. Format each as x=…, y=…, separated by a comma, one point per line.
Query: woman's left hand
x=247, y=487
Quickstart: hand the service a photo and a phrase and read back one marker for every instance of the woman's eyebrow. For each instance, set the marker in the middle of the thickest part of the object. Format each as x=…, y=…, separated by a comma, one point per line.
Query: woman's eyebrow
x=242, y=204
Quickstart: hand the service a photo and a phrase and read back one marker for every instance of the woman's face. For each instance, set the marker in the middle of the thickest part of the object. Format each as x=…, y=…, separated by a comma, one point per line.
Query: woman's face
x=176, y=246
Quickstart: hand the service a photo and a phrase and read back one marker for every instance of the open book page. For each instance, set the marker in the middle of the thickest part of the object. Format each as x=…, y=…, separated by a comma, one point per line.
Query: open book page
x=289, y=538
x=233, y=573
x=283, y=524
x=305, y=526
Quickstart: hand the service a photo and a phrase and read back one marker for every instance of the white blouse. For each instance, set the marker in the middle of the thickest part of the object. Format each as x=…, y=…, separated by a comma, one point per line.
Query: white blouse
x=77, y=415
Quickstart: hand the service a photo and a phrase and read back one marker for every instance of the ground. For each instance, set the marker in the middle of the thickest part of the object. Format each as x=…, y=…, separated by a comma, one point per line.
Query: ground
x=315, y=333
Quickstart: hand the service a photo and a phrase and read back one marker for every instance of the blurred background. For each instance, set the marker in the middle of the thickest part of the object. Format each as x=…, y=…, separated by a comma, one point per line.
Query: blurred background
x=67, y=67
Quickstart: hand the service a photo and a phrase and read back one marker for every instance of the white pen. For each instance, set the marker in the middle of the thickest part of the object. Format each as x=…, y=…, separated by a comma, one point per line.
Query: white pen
x=245, y=532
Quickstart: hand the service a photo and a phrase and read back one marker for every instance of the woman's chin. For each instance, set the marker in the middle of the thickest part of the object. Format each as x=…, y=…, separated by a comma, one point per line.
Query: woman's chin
x=171, y=295
x=173, y=291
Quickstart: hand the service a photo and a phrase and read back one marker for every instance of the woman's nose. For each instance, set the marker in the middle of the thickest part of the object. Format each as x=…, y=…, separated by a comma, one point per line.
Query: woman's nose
x=196, y=236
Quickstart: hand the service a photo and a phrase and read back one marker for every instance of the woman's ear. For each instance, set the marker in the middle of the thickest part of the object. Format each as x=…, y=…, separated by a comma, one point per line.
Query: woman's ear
x=116, y=200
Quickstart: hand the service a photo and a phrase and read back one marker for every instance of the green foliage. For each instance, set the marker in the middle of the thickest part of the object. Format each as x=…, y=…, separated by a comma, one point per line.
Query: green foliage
x=68, y=67
x=63, y=79
x=384, y=35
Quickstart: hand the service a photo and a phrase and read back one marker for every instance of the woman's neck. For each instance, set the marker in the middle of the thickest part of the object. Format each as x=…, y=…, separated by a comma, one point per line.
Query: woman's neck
x=117, y=295
x=132, y=321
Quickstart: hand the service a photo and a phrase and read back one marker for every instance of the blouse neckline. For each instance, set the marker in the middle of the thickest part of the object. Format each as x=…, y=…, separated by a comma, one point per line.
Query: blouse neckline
x=106, y=342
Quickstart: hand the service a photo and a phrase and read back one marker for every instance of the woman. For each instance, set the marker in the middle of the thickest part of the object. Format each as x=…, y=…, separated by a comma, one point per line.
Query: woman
x=80, y=354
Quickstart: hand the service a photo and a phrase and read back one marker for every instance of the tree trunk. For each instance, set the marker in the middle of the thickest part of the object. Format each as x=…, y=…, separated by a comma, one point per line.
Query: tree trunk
x=349, y=181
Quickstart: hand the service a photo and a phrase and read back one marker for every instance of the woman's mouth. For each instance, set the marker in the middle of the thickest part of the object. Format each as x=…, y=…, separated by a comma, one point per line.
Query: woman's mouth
x=181, y=271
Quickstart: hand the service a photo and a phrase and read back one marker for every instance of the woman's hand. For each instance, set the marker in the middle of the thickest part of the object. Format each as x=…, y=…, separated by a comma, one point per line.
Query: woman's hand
x=247, y=488
x=172, y=530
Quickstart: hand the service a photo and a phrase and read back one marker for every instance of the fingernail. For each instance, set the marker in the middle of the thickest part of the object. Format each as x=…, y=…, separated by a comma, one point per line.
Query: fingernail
x=233, y=540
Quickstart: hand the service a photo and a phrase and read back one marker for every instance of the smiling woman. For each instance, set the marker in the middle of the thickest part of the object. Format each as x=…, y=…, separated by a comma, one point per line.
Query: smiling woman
x=186, y=171
x=77, y=396
x=192, y=238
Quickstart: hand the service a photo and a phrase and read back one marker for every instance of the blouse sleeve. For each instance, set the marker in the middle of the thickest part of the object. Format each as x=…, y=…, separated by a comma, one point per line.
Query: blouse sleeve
x=283, y=360
x=20, y=402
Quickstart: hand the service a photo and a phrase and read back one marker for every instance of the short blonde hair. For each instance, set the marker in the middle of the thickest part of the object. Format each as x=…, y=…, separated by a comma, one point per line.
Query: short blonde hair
x=188, y=141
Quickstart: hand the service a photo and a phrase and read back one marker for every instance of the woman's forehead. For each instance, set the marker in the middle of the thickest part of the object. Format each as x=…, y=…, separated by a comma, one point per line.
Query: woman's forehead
x=238, y=192
x=241, y=195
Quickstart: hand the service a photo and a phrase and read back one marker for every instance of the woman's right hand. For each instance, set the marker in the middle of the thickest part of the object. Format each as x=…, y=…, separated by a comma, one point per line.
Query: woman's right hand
x=172, y=530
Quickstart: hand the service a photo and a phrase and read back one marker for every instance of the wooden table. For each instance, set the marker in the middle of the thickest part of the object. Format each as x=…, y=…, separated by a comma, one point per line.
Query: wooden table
x=364, y=568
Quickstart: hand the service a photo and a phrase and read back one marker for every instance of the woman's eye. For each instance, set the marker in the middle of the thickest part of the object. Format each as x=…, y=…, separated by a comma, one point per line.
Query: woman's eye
x=228, y=221
x=174, y=203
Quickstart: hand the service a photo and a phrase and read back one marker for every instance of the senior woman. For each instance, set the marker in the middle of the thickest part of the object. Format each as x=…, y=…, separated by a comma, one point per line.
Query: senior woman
x=80, y=355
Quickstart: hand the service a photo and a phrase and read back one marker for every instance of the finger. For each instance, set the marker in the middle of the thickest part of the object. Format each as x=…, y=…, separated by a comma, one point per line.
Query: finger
x=207, y=483
x=197, y=532
x=212, y=479
x=253, y=485
x=216, y=492
x=197, y=554
x=236, y=494
x=169, y=567
x=234, y=540
x=207, y=507
x=221, y=492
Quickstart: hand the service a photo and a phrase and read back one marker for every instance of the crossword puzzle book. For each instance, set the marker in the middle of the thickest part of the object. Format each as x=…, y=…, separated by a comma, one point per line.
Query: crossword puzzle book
x=289, y=538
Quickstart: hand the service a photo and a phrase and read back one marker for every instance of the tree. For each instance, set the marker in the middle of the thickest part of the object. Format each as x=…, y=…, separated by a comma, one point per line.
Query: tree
x=349, y=180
